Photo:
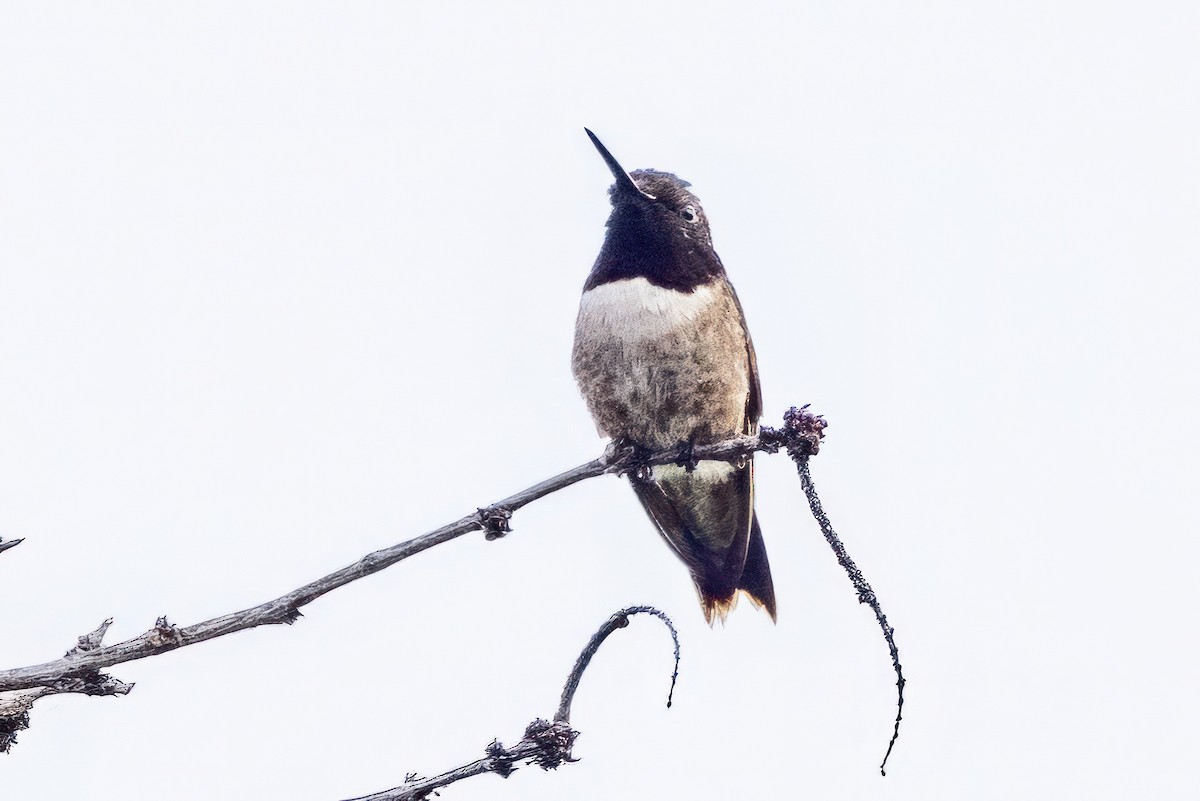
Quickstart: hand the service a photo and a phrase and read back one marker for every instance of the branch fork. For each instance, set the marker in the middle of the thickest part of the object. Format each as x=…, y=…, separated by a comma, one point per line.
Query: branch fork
x=546, y=743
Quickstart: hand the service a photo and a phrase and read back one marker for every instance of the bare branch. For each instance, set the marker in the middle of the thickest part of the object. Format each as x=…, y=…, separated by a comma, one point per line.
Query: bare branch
x=618, y=621
x=79, y=670
x=801, y=419
x=15, y=705
x=166, y=636
x=546, y=743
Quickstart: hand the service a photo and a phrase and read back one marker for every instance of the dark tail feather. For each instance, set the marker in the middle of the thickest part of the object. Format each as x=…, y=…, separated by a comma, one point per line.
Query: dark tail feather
x=703, y=522
x=756, y=575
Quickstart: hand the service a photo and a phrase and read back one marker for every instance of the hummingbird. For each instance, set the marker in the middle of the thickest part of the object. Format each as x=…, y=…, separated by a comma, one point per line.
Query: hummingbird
x=663, y=358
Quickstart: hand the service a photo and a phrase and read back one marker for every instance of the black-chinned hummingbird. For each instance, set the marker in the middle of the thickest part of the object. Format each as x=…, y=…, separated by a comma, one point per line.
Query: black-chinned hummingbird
x=663, y=358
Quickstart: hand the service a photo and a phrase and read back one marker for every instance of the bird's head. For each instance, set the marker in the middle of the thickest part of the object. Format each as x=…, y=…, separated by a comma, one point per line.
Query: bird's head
x=657, y=228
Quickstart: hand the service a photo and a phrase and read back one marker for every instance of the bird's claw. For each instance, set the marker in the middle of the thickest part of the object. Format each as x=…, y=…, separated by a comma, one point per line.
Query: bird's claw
x=687, y=456
x=627, y=457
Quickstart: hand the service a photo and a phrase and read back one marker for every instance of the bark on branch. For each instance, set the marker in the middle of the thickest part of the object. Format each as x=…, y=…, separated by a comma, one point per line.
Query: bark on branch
x=493, y=520
x=546, y=744
x=78, y=671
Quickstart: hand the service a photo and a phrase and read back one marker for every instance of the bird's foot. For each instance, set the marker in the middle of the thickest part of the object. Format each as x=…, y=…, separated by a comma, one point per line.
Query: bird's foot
x=625, y=456
x=687, y=455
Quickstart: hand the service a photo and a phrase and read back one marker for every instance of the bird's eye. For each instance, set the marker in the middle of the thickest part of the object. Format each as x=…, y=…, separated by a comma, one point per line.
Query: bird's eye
x=688, y=213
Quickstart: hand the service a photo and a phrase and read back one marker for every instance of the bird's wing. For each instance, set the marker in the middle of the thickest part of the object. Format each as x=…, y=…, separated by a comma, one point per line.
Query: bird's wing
x=754, y=396
x=705, y=516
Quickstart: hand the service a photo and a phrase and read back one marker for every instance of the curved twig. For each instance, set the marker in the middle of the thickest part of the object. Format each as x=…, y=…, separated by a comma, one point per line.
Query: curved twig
x=545, y=743
x=618, y=621
x=801, y=419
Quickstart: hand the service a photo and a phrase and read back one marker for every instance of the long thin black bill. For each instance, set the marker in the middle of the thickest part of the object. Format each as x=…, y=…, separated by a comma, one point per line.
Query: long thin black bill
x=623, y=180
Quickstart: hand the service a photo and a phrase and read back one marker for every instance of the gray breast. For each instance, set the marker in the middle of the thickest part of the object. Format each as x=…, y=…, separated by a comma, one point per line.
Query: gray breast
x=660, y=366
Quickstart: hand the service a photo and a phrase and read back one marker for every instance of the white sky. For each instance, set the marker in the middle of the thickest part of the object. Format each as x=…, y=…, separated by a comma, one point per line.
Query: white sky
x=283, y=283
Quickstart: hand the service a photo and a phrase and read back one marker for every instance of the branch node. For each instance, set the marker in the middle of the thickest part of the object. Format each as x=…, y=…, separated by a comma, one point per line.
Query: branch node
x=413, y=795
x=770, y=440
x=165, y=635
x=494, y=521
x=90, y=641
x=803, y=431
x=554, y=740
x=622, y=455
x=502, y=762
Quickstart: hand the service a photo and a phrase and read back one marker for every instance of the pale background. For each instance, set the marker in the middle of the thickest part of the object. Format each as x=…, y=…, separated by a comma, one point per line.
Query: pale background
x=283, y=283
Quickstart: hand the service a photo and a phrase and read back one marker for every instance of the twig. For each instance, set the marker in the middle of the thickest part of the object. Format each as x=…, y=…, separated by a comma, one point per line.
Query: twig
x=546, y=743
x=618, y=621
x=15, y=704
x=165, y=636
x=801, y=419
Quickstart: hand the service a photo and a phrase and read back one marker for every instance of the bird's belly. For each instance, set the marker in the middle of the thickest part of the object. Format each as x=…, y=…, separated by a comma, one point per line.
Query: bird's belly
x=660, y=366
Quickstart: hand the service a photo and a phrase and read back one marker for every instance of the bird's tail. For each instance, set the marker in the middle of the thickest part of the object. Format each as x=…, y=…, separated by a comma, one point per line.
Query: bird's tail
x=756, y=576
x=707, y=517
x=755, y=582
